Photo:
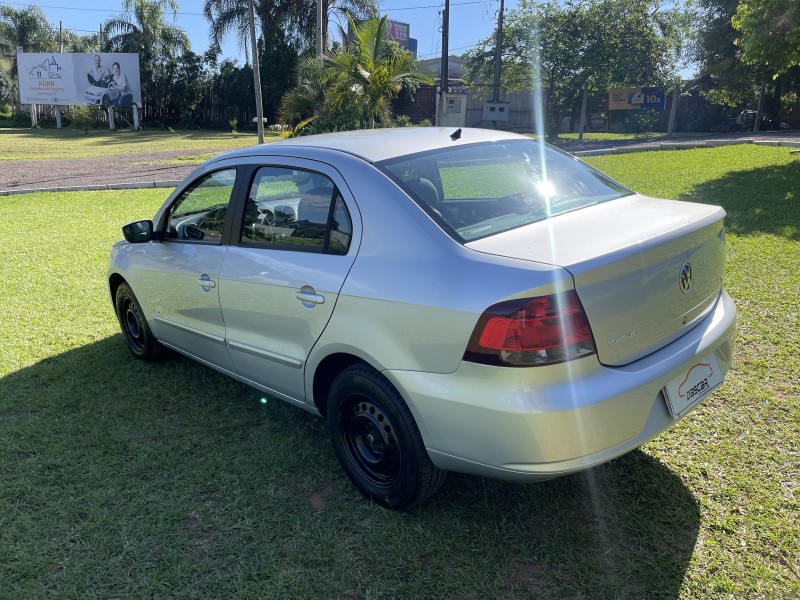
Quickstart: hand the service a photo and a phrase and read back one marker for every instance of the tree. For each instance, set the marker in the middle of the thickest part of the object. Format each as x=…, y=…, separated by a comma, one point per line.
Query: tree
x=28, y=28
x=372, y=69
x=352, y=86
x=560, y=46
x=729, y=73
x=730, y=81
x=770, y=33
x=143, y=29
x=297, y=18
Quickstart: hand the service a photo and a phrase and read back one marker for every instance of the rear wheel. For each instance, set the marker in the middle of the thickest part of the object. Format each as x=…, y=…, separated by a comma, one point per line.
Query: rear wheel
x=134, y=326
x=377, y=441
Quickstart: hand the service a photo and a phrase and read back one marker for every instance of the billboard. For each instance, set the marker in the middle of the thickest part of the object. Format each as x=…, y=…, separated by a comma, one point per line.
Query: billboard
x=636, y=98
x=103, y=79
x=398, y=32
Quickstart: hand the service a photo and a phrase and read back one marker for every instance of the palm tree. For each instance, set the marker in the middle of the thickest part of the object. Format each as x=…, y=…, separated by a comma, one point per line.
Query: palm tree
x=27, y=27
x=143, y=29
x=296, y=17
x=372, y=68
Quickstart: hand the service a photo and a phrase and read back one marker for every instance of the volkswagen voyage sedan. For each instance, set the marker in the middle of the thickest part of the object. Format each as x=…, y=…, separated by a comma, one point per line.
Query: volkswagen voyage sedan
x=467, y=301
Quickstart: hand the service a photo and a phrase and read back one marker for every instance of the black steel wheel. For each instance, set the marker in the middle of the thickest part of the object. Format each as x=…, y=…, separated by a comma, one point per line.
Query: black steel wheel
x=134, y=326
x=377, y=441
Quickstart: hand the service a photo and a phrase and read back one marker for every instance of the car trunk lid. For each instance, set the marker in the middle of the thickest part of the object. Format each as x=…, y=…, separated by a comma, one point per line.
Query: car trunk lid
x=645, y=270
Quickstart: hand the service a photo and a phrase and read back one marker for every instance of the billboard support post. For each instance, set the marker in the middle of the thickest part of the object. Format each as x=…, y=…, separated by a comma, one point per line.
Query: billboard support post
x=582, y=124
x=58, y=117
x=33, y=115
x=135, y=118
x=111, y=118
x=673, y=110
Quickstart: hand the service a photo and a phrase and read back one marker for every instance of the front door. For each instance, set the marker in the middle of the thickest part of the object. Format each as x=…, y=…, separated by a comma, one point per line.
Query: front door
x=181, y=274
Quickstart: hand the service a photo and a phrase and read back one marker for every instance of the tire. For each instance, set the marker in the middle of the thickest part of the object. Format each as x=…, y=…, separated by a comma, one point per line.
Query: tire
x=134, y=326
x=377, y=441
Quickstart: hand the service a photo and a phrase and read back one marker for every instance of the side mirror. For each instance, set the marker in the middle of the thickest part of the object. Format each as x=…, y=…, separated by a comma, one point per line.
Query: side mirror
x=138, y=232
x=193, y=232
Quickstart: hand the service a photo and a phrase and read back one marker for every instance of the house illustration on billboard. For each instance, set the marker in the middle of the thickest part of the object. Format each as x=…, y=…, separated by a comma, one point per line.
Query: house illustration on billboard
x=48, y=68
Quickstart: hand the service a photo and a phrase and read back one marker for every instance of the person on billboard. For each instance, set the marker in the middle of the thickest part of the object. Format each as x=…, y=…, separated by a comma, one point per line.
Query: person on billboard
x=98, y=75
x=119, y=82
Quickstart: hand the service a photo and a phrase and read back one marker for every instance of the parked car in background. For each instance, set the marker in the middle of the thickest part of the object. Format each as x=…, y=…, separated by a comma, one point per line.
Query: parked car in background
x=465, y=300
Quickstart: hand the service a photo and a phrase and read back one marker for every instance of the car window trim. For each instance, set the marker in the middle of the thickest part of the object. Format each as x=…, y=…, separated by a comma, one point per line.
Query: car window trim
x=226, y=226
x=248, y=173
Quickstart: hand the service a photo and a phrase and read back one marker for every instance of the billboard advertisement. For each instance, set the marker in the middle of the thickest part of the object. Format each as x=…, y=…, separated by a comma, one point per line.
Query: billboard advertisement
x=635, y=98
x=104, y=79
x=398, y=31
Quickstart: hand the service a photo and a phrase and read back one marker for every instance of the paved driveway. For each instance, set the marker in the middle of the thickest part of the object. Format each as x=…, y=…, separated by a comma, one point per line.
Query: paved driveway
x=105, y=170
x=148, y=169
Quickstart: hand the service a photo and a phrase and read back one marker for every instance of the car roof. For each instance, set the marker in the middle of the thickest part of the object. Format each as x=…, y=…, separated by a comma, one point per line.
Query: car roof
x=375, y=145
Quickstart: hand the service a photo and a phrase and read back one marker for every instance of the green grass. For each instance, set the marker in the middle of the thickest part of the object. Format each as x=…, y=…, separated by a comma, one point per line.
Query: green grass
x=42, y=144
x=619, y=137
x=120, y=479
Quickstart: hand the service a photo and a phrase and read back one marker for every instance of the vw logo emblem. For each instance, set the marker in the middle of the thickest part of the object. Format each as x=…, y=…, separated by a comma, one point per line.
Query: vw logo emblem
x=685, y=277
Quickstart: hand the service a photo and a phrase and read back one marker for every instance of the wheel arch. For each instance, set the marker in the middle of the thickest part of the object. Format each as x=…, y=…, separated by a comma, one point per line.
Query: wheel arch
x=324, y=374
x=114, y=280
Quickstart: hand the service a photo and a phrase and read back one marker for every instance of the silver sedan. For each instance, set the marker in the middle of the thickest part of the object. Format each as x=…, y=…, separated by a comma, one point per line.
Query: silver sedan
x=465, y=300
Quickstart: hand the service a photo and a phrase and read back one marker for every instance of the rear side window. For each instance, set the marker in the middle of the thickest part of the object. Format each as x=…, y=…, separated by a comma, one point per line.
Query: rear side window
x=294, y=209
x=199, y=213
x=483, y=189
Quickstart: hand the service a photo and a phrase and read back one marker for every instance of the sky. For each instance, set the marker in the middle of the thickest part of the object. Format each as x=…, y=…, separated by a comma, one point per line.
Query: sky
x=470, y=21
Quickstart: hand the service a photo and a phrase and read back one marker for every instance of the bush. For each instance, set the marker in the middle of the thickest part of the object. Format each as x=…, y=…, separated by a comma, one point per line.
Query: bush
x=83, y=117
x=403, y=121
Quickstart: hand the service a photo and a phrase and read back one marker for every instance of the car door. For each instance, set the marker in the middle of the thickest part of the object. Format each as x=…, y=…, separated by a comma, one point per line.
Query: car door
x=283, y=272
x=181, y=274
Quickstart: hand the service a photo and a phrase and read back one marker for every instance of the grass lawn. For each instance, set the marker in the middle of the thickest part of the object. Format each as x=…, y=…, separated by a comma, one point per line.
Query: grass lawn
x=120, y=479
x=642, y=135
x=40, y=144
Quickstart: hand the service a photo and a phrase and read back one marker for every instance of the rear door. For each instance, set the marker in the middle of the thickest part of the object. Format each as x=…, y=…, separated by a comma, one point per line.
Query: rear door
x=295, y=239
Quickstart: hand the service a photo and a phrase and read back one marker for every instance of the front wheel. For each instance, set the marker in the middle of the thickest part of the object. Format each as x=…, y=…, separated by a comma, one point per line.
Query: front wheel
x=377, y=441
x=134, y=326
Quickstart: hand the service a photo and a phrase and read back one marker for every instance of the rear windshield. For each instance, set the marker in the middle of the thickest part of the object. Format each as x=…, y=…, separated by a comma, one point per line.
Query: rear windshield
x=483, y=189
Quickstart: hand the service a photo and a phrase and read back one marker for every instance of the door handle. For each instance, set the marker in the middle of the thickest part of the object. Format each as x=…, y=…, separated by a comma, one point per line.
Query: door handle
x=310, y=297
x=207, y=283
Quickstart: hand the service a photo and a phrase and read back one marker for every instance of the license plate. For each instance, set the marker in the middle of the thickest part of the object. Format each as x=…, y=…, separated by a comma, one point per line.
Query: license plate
x=693, y=385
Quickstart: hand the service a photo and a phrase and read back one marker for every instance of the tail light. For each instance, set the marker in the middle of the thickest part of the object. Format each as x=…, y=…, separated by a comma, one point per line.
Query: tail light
x=532, y=332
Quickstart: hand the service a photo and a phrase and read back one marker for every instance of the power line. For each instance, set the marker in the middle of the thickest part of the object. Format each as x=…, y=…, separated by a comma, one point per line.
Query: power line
x=387, y=9
x=196, y=14
x=103, y=10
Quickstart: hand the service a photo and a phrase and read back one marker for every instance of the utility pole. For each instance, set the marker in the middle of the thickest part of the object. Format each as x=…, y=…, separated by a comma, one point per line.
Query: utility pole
x=256, y=75
x=100, y=39
x=498, y=53
x=445, y=66
x=320, y=37
x=60, y=38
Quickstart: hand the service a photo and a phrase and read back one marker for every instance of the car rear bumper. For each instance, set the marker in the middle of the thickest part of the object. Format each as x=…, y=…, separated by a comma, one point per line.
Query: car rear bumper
x=541, y=422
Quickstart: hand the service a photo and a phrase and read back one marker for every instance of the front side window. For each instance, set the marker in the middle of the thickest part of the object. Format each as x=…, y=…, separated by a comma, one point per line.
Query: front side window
x=296, y=209
x=199, y=213
x=480, y=190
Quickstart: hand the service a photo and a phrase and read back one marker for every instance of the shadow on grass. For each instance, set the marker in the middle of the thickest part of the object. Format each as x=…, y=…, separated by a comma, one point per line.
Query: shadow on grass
x=763, y=200
x=127, y=479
